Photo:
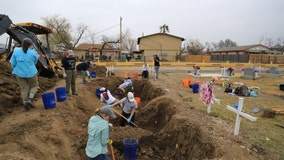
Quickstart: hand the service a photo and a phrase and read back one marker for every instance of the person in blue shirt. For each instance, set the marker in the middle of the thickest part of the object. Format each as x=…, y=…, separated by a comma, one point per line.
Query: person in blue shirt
x=23, y=62
x=99, y=133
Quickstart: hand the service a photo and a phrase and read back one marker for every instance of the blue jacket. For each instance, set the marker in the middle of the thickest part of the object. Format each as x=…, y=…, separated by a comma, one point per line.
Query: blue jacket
x=98, y=136
x=24, y=64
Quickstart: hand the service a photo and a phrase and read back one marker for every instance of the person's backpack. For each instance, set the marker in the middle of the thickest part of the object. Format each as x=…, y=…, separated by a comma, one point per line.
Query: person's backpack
x=242, y=91
x=105, y=95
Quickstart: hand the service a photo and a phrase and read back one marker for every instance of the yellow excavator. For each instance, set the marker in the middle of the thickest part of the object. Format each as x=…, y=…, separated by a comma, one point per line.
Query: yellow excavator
x=46, y=65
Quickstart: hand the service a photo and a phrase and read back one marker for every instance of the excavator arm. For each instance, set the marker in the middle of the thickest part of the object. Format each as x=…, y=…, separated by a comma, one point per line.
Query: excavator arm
x=46, y=65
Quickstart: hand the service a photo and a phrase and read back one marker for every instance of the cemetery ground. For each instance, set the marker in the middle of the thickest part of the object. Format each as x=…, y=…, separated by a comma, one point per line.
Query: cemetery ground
x=172, y=121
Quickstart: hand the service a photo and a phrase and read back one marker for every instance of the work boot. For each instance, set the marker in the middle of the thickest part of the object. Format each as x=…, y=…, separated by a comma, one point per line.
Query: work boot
x=30, y=103
x=26, y=107
x=75, y=93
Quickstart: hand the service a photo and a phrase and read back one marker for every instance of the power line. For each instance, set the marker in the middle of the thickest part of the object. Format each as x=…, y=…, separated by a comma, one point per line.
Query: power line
x=101, y=31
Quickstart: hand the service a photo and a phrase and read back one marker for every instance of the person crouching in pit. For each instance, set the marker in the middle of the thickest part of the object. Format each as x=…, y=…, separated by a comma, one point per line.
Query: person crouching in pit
x=129, y=108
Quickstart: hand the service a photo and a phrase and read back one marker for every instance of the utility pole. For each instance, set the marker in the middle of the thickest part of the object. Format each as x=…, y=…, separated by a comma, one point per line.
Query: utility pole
x=120, y=51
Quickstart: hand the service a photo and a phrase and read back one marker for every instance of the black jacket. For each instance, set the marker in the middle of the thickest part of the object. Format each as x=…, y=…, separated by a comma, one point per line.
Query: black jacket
x=83, y=66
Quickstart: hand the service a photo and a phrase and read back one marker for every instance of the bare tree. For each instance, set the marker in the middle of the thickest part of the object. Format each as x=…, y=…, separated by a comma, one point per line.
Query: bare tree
x=164, y=29
x=63, y=37
x=194, y=46
x=224, y=44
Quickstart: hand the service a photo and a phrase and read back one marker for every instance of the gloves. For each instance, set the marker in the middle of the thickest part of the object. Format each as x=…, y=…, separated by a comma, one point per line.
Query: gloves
x=109, y=142
x=88, y=73
x=129, y=119
x=64, y=75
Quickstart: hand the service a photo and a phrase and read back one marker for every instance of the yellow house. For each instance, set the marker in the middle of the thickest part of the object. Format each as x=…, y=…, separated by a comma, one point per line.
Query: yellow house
x=165, y=45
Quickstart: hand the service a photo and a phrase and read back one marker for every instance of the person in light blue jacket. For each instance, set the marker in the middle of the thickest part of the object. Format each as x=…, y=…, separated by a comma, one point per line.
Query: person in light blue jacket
x=23, y=62
x=99, y=133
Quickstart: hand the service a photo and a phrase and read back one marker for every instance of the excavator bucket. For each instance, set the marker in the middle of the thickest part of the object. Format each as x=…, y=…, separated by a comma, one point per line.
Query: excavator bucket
x=5, y=23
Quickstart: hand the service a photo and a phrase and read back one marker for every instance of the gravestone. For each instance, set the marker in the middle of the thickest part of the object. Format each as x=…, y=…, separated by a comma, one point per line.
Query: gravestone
x=249, y=73
x=273, y=71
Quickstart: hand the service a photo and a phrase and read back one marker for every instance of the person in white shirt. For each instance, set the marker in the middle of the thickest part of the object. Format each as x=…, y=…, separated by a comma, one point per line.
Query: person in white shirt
x=145, y=70
x=126, y=86
x=106, y=96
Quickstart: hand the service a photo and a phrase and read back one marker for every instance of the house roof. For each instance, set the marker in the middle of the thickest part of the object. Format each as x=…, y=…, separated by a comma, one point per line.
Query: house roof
x=86, y=46
x=255, y=48
x=182, y=39
x=240, y=48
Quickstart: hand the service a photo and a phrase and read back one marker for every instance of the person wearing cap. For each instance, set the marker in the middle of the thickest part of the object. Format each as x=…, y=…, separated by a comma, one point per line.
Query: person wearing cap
x=99, y=134
x=84, y=69
x=156, y=65
x=68, y=64
x=106, y=96
x=129, y=106
x=23, y=62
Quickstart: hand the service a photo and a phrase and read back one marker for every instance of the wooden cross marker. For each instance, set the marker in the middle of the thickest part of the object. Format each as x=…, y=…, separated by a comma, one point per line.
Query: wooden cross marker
x=239, y=114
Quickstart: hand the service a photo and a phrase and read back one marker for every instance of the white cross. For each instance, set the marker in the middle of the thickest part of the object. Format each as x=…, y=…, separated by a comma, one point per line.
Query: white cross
x=239, y=114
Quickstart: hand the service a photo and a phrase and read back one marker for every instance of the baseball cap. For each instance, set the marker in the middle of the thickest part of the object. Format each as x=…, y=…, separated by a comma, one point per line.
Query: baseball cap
x=130, y=97
x=107, y=110
x=70, y=52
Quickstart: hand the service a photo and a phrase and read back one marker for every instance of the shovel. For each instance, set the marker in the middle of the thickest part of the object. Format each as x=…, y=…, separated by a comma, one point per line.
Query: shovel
x=123, y=117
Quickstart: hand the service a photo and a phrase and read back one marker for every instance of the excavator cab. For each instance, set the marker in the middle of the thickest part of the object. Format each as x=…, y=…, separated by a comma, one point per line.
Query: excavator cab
x=46, y=65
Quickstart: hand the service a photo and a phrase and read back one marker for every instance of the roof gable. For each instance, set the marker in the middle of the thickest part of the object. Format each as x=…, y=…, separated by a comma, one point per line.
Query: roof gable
x=164, y=34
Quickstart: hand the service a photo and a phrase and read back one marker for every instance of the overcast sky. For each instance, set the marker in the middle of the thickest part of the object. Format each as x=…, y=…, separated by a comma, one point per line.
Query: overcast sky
x=242, y=21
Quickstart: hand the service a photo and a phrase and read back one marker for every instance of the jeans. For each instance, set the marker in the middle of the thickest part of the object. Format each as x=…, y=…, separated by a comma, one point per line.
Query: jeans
x=100, y=157
x=156, y=71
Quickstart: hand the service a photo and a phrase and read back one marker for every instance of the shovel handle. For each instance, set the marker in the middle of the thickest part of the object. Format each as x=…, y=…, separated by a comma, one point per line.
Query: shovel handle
x=123, y=117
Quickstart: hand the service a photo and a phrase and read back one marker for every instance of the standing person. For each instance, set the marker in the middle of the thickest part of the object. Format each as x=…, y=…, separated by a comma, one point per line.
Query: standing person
x=129, y=107
x=84, y=69
x=145, y=70
x=106, y=96
x=98, y=134
x=23, y=62
x=156, y=66
x=68, y=64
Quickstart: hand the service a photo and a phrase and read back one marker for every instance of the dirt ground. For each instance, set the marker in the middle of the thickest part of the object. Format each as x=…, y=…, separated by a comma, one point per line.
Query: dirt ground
x=170, y=125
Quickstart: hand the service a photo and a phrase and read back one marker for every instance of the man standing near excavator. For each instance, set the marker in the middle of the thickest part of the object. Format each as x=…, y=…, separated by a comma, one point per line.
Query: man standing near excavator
x=23, y=62
x=68, y=65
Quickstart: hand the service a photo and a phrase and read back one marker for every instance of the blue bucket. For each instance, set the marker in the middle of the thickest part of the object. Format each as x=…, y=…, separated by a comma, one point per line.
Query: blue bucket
x=94, y=74
x=130, y=148
x=98, y=92
x=48, y=100
x=60, y=94
x=195, y=88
